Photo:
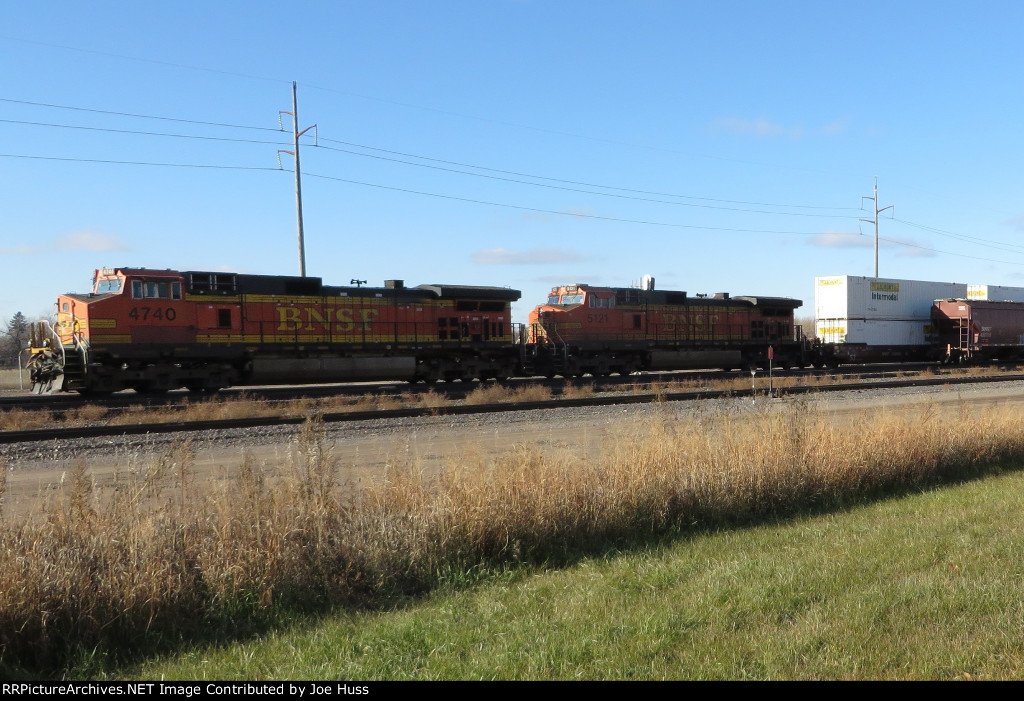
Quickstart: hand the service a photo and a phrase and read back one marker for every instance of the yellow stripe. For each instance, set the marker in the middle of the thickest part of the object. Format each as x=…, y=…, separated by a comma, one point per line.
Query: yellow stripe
x=109, y=338
x=212, y=299
x=309, y=338
x=102, y=323
x=283, y=300
x=663, y=337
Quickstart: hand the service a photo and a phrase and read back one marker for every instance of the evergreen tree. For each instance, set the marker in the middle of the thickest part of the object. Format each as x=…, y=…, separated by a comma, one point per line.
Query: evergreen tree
x=15, y=339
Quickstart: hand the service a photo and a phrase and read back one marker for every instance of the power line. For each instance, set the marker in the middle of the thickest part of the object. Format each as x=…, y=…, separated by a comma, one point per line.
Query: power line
x=589, y=192
x=1011, y=248
x=461, y=115
x=576, y=182
x=135, y=163
x=136, y=116
x=999, y=245
x=948, y=253
x=144, y=133
x=577, y=215
x=634, y=191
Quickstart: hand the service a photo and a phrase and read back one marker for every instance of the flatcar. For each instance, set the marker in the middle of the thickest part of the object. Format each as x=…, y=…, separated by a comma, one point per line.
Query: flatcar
x=586, y=329
x=156, y=330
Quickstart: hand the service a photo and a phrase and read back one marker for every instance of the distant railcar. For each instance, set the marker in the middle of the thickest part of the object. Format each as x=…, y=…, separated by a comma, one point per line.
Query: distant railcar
x=585, y=329
x=976, y=330
x=156, y=330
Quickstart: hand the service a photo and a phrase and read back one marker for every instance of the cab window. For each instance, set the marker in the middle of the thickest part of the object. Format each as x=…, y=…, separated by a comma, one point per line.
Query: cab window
x=144, y=289
x=108, y=285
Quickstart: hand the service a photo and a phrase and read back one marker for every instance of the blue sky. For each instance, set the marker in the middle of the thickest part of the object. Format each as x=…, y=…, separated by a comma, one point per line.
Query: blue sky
x=721, y=146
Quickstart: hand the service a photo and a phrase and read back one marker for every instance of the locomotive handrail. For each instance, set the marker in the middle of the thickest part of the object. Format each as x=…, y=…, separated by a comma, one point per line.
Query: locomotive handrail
x=42, y=331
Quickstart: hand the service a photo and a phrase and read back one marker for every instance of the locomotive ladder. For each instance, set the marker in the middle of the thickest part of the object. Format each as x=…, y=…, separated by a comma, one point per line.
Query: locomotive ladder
x=74, y=362
x=553, y=348
x=559, y=351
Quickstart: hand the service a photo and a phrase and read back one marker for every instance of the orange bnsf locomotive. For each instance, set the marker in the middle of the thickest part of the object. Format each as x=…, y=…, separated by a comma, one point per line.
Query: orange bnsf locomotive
x=156, y=330
x=601, y=330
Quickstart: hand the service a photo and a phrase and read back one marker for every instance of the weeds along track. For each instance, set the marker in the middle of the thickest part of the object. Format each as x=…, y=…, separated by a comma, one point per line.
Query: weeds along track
x=93, y=422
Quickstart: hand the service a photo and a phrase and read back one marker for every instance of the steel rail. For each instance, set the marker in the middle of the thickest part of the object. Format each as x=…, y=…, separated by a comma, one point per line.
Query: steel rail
x=98, y=431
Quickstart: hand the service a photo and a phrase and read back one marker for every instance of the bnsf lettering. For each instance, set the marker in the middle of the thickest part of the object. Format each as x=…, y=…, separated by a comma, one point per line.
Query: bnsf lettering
x=682, y=322
x=324, y=319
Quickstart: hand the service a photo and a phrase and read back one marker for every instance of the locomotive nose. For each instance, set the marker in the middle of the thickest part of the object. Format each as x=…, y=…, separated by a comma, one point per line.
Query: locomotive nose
x=46, y=359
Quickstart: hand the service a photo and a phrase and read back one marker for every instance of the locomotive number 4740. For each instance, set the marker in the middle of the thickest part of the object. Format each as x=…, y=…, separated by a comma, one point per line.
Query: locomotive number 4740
x=152, y=313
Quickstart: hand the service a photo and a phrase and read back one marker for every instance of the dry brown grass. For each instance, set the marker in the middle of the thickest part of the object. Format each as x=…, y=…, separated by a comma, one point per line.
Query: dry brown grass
x=496, y=393
x=431, y=400
x=158, y=557
x=11, y=379
x=241, y=406
x=23, y=420
x=532, y=393
x=577, y=391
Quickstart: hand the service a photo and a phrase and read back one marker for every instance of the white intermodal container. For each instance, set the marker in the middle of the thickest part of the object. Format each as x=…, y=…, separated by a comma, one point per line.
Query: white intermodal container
x=853, y=298
x=875, y=332
x=995, y=293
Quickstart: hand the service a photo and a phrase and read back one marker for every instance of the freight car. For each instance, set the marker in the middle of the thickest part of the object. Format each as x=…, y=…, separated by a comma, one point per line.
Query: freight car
x=585, y=329
x=967, y=330
x=863, y=319
x=156, y=330
x=860, y=319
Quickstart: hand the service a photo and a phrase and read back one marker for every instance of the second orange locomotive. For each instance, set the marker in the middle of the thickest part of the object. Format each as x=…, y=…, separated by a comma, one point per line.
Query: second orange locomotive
x=584, y=329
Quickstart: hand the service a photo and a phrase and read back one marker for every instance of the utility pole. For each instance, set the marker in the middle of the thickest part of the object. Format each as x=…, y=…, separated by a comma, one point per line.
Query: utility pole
x=875, y=220
x=298, y=179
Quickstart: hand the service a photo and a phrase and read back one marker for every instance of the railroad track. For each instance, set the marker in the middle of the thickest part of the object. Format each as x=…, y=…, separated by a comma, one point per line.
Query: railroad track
x=96, y=431
x=59, y=403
